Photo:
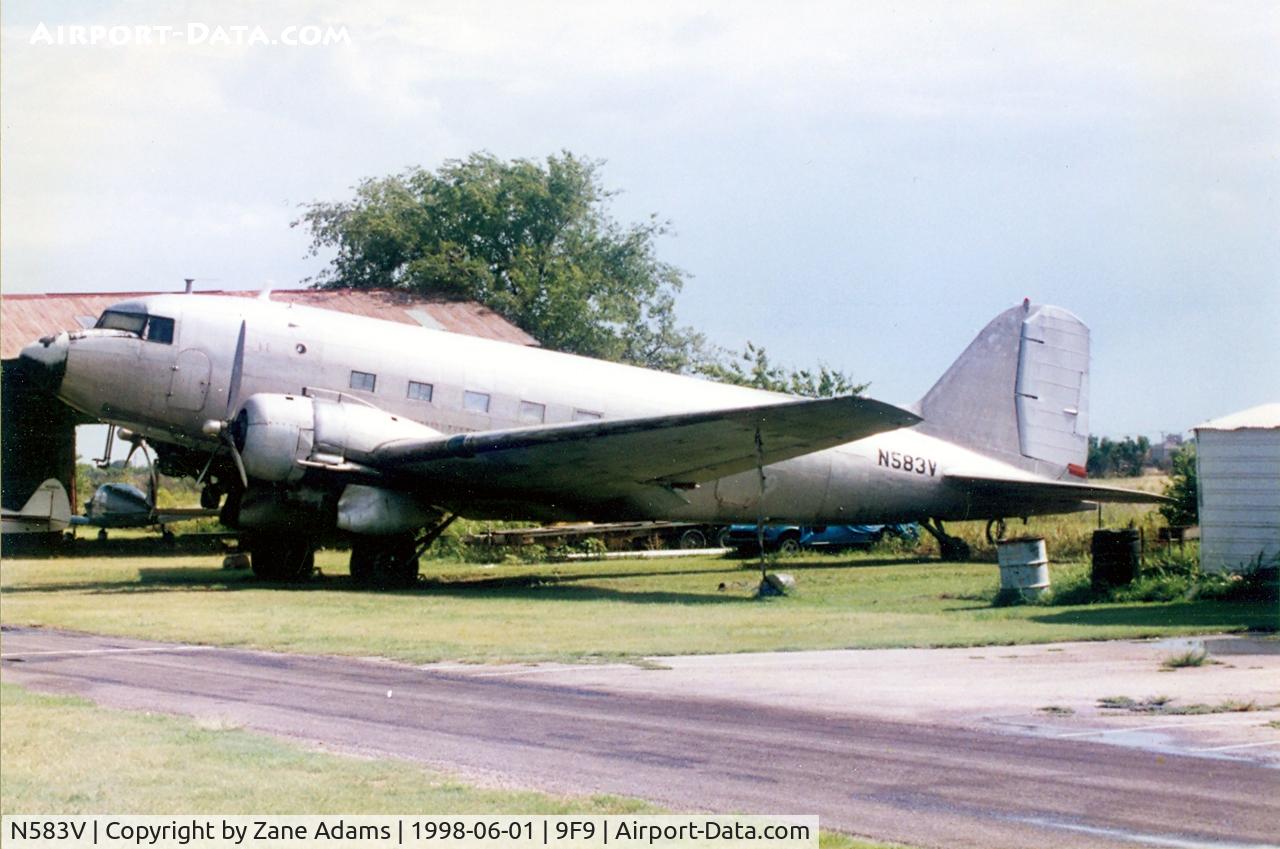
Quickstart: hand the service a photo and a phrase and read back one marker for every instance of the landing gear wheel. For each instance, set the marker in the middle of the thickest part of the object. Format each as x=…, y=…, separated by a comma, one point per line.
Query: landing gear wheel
x=954, y=548
x=288, y=559
x=995, y=531
x=385, y=561
x=949, y=547
x=693, y=538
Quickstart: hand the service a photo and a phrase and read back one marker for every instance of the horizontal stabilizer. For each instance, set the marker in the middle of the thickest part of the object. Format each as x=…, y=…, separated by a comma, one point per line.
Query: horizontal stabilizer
x=1037, y=491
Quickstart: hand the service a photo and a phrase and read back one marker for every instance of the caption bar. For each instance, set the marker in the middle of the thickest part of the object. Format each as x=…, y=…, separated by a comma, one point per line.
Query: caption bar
x=384, y=832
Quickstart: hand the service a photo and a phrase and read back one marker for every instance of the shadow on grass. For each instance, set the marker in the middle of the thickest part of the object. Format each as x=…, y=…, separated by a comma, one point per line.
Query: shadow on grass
x=147, y=546
x=543, y=587
x=787, y=564
x=1204, y=613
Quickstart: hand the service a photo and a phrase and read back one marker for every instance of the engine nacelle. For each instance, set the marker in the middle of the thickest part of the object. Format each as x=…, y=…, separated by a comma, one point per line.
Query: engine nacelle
x=373, y=511
x=277, y=434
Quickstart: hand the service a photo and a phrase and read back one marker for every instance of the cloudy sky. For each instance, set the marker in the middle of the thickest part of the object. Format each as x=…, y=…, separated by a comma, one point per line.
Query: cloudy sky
x=861, y=184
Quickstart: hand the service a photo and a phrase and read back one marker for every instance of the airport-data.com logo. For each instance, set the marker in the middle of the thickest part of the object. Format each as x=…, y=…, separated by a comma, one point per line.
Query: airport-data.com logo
x=192, y=34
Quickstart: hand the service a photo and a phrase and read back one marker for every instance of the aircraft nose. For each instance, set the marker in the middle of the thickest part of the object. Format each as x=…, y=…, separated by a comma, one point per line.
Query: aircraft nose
x=45, y=361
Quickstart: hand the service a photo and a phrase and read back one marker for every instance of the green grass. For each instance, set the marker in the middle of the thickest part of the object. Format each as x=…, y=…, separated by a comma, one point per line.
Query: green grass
x=1183, y=660
x=66, y=756
x=581, y=611
x=1164, y=706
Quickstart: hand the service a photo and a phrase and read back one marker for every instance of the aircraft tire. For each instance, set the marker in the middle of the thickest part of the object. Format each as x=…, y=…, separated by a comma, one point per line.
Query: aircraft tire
x=281, y=559
x=692, y=538
x=954, y=548
x=384, y=562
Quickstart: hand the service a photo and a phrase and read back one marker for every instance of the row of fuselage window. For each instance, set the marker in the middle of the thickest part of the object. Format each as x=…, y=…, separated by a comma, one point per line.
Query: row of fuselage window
x=531, y=412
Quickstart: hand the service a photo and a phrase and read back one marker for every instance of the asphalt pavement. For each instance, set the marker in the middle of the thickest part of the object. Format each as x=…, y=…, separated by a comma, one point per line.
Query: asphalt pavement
x=920, y=783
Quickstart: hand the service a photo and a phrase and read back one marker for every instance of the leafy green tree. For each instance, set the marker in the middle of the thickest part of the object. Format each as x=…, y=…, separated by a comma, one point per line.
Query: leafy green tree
x=752, y=367
x=1183, y=488
x=1126, y=458
x=534, y=241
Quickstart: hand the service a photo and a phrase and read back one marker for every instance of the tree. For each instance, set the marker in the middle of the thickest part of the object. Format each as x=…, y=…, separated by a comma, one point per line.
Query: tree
x=1183, y=488
x=753, y=368
x=1125, y=458
x=534, y=241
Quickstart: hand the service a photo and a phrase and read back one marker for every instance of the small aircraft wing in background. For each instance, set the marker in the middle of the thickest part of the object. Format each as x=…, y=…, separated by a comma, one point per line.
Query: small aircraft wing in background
x=122, y=505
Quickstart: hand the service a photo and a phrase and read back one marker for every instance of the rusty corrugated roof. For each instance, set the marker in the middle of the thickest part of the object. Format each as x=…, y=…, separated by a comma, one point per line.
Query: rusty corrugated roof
x=25, y=318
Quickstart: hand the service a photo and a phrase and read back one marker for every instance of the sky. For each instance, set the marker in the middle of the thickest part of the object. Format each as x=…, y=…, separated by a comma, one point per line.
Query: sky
x=861, y=185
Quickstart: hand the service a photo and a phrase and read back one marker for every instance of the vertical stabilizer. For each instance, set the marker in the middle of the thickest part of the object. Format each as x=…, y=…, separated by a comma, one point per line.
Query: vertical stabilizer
x=1019, y=392
x=46, y=511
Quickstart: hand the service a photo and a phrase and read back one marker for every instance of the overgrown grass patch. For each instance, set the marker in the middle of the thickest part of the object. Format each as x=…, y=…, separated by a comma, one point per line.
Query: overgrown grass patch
x=1186, y=659
x=1164, y=706
x=578, y=611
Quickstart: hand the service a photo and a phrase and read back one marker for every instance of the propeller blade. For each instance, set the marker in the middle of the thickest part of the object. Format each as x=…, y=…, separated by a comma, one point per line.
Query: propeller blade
x=237, y=371
x=235, y=457
x=153, y=477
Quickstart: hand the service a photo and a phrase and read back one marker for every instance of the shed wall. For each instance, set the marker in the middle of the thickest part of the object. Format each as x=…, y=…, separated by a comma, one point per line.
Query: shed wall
x=1239, y=495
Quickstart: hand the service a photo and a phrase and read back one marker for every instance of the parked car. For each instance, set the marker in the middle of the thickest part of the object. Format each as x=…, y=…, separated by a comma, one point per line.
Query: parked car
x=790, y=539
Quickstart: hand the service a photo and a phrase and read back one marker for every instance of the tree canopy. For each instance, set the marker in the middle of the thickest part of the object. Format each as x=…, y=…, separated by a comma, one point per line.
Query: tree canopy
x=535, y=242
x=752, y=367
x=1126, y=458
x=1183, y=488
x=532, y=241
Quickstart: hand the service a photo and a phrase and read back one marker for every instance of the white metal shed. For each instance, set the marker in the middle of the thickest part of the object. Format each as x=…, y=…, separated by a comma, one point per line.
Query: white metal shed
x=1238, y=465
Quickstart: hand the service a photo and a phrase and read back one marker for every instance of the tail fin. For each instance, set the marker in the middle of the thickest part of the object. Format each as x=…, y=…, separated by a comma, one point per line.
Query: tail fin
x=50, y=502
x=1019, y=392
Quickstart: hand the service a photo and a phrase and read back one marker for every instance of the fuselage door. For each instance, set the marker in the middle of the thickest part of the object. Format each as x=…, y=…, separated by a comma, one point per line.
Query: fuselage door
x=189, y=387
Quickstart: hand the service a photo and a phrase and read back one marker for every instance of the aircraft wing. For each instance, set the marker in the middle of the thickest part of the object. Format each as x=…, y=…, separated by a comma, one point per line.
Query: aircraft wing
x=599, y=461
x=1043, y=490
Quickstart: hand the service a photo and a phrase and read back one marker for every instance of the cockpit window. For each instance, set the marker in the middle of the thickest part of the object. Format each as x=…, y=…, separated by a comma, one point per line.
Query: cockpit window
x=160, y=329
x=128, y=321
x=155, y=328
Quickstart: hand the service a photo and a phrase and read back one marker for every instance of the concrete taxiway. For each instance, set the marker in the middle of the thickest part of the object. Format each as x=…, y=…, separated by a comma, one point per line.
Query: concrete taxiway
x=764, y=733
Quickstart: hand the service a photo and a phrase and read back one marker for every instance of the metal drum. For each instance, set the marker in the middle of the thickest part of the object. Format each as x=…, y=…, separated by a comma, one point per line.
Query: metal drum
x=1117, y=557
x=1024, y=568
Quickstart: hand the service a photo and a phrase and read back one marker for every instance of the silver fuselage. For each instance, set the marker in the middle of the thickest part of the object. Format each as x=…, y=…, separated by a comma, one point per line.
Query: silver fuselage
x=168, y=390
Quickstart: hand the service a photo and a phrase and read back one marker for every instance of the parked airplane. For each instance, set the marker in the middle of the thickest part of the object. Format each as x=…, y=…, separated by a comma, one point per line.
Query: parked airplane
x=123, y=505
x=47, y=511
x=303, y=422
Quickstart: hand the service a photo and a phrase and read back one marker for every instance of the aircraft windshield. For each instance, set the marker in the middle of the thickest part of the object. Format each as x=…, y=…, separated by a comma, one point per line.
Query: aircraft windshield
x=128, y=321
x=154, y=328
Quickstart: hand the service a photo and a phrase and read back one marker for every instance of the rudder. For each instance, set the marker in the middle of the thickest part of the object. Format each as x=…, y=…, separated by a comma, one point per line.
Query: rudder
x=1019, y=392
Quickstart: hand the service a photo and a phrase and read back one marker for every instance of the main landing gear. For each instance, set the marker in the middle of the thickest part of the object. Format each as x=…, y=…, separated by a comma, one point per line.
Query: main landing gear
x=392, y=561
x=385, y=561
x=951, y=548
x=281, y=558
